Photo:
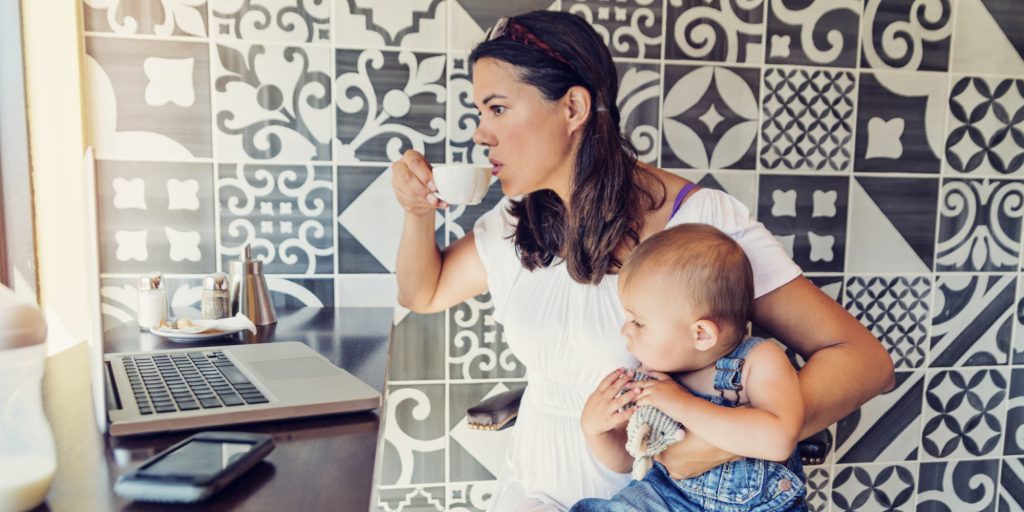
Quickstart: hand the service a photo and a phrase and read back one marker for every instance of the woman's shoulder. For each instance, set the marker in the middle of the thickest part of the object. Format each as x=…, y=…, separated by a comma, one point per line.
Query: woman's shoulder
x=714, y=207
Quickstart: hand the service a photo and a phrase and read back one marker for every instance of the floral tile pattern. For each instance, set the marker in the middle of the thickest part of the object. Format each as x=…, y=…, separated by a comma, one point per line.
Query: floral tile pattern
x=924, y=33
x=818, y=33
x=807, y=215
x=979, y=225
x=876, y=487
x=963, y=485
x=148, y=17
x=900, y=117
x=416, y=24
x=983, y=136
x=288, y=21
x=388, y=102
x=972, y=320
x=896, y=312
x=149, y=100
x=273, y=102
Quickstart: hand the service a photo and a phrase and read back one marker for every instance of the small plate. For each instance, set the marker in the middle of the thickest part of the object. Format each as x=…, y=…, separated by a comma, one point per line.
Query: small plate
x=187, y=337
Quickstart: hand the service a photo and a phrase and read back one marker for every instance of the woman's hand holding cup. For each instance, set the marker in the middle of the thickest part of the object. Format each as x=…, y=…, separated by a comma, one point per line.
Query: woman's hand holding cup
x=413, y=181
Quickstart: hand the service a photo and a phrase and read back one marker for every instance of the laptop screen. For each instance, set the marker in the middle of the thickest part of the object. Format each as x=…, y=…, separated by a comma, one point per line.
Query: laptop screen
x=92, y=269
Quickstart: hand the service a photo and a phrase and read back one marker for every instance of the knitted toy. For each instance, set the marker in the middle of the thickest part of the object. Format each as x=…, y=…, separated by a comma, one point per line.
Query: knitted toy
x=648, y=433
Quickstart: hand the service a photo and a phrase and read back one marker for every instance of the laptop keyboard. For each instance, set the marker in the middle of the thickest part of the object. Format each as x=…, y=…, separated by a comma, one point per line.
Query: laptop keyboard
x=188, y=381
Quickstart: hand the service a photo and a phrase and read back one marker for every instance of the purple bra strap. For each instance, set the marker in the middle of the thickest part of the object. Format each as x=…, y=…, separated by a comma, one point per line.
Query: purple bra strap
x=679, y=198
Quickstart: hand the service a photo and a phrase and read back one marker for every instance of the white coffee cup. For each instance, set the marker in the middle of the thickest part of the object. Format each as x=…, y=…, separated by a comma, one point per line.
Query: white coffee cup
x=462, y=183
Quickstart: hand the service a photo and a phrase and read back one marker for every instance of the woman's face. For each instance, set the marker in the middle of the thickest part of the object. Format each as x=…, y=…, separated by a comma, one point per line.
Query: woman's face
x=528, y=136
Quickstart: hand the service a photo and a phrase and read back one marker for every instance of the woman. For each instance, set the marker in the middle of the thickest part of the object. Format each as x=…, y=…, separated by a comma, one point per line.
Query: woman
x=577, y=202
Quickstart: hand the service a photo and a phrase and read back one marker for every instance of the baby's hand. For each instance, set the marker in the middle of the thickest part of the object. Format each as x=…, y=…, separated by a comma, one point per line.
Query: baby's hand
x=661, y=392
x=605, y=408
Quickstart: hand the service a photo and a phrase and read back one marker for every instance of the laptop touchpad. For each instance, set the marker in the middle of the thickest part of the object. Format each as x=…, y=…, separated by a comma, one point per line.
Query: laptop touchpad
x=297, y=368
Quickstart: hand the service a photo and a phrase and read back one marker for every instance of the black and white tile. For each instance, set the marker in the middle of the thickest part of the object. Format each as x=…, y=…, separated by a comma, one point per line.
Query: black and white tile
x=900, y=120
x=474, y=455
x=892, y=224
x=285, y=21
x=273, y=102
x=972, y=319
x=475, y=17
x=284, y=213
x=388, y=102
x=887, y=428
x=816, y=33
x=418, y=348
x=807, y=119
x=414, y=429
x=979, y=225
x=1011, y=485
x=899, y=34
x=368, y=24
x=895, y=310
x=149, y=100
x=983, y=134
x=479, y=349
x=964, y=413
x=630, y=28
x=709, y=117
x=988, y=37
x=1017, y=350
x=807, y=214
x=715, y=30
x=1013, y=438
x=158, y=220
x=179, y=18
x=365, y=246
x=874, y=487
x=818, y=486
x=740, y=184
x=463, y=117
x=957, y=485
x=639, y=91
x=474, y=497
x=412, y=499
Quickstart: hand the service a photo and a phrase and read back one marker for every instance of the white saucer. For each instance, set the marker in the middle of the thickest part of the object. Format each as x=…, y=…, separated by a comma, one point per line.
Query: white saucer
x=189, y=337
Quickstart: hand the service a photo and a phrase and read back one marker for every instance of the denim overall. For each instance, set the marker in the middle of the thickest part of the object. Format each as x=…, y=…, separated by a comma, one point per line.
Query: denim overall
x=753, y=485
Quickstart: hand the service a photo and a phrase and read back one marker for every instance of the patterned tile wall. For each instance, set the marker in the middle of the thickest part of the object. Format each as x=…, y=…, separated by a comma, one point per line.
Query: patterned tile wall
x=882, y=142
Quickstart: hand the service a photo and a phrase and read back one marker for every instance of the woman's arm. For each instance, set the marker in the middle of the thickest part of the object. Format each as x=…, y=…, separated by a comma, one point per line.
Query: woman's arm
x=846, y=364
x=846, y=367
x=430, y=280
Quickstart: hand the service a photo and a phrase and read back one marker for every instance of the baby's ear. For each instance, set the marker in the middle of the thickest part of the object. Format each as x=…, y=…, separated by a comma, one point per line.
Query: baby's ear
x=705, y=334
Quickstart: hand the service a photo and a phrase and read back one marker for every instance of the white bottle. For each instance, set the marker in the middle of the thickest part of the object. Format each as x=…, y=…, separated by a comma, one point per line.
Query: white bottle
x=27, y=457
x=152, y=301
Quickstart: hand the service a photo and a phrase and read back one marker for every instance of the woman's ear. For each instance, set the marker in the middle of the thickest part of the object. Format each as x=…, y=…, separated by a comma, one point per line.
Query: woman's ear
x=577, y=107
x=705, y=334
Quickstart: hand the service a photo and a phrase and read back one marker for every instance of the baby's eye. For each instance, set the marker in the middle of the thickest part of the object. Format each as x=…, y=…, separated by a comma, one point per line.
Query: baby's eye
x=637, y=324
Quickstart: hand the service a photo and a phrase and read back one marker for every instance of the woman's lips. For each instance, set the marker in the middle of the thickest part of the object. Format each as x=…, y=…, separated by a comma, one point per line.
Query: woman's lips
x=496, y=169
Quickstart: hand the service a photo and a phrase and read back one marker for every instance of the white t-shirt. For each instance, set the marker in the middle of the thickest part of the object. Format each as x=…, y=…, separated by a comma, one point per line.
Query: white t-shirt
x=567, y=335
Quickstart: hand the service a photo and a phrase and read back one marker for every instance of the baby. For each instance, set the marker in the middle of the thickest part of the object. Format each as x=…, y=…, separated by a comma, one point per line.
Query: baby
x=688, y=293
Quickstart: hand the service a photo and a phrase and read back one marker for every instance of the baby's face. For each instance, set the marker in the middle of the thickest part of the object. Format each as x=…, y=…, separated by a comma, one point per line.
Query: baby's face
x=657, y=327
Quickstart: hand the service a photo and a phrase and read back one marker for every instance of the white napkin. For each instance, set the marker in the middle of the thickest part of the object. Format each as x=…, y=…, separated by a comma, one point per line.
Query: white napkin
x=233, y=324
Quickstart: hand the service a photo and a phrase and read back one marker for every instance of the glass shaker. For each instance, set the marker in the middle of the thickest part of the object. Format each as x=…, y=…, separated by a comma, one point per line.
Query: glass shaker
x=215, y=301
x=152, y=301
x=28, y=460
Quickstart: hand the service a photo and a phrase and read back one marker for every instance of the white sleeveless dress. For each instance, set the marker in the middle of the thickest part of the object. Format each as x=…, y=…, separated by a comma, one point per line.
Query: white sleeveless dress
x=567, y=336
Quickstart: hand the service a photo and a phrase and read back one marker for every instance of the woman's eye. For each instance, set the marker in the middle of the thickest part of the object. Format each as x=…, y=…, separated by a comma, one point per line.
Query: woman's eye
x=498, y=109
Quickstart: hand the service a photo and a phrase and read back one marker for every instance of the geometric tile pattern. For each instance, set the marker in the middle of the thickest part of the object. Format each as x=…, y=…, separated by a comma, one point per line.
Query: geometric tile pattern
x=896, y=312
x=808, y=119
x=963, y=414
x=275, y=122
x=887, y=428
x=984, y=132
x=972, y=320
x=873, y=487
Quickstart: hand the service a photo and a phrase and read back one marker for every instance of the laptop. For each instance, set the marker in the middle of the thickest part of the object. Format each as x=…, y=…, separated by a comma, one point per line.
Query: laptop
x=190, y=388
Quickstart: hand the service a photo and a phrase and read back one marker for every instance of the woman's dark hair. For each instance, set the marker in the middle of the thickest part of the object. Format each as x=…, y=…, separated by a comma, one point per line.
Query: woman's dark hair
x=608, y=202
